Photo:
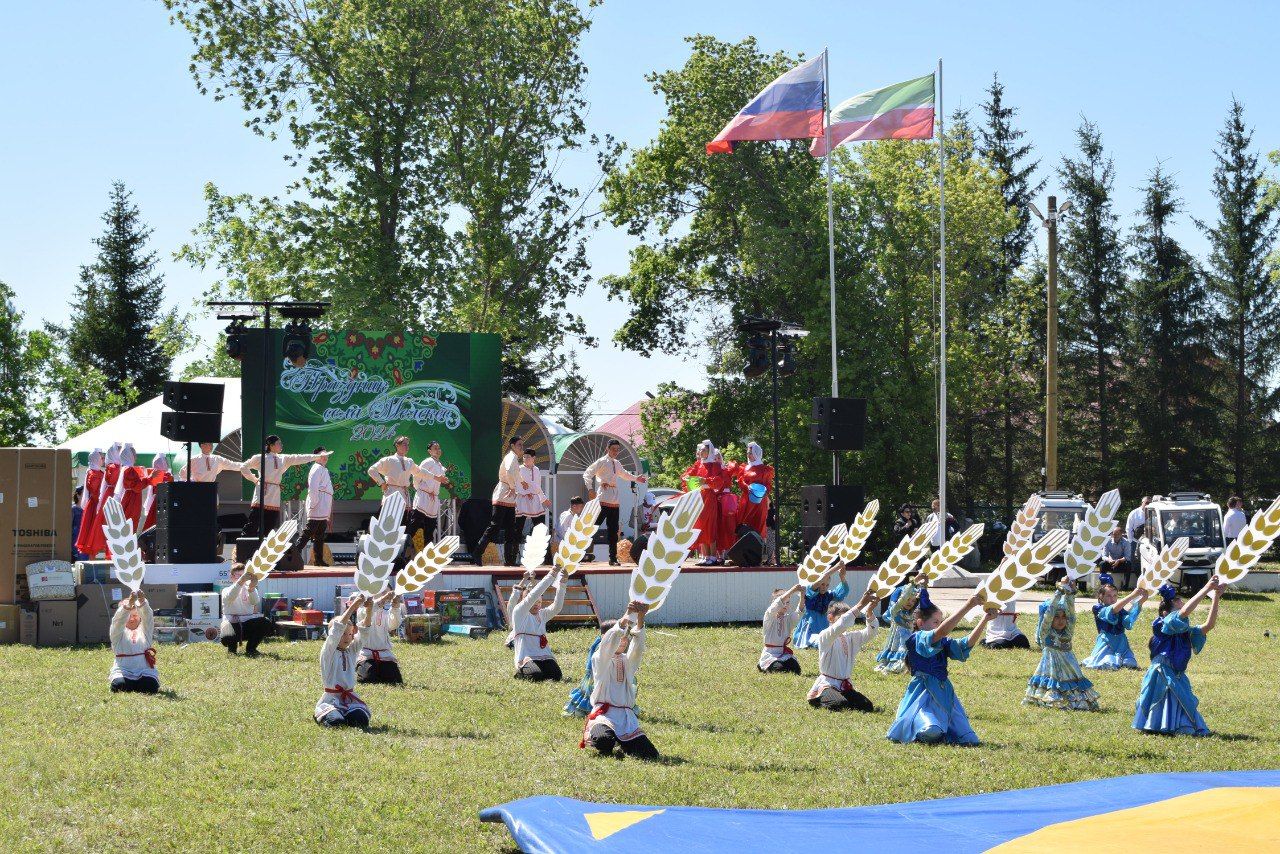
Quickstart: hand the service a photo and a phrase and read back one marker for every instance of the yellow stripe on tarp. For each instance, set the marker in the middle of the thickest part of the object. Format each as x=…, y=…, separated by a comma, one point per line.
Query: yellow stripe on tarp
x=606, y=824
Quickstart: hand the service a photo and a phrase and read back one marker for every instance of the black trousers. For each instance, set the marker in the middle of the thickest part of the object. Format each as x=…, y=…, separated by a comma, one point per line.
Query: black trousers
x=791, y=665
x=604, y=739
x=504, y=520
x=250, y=633
x=610, y=517
x=354, y=717
x=540, y=670
x=314, y=533
x=271, y=518
x=141, y=685
x=1020, y=642
x=370, y=671
x=840, y=701
x=419, y=521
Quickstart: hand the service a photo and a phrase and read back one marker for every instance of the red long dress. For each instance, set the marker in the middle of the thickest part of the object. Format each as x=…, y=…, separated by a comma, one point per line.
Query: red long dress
x=89, y=518
x=712, y=475
x=157, y=477
x=96, y=542
x=135, y=483
x=755, y=515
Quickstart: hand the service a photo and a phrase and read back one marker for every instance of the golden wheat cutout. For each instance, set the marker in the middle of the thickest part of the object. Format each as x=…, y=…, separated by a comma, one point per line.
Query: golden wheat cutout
x=123, y=545
x=902, y=560
x=859, y=531
x=1086, y=545
x=824, y=553
x=1024, y=525
x=269, y=552
x=1020, y=572
x=1246, y=549
x=952, y=552
x=577, y=538
x=378, y=549
x=1159, y=567
x=660, y=564
x=426, y=565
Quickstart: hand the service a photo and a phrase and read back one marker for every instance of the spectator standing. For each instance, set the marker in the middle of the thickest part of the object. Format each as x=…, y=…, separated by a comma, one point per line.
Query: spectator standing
x=1137, y=521
x=1235, y=520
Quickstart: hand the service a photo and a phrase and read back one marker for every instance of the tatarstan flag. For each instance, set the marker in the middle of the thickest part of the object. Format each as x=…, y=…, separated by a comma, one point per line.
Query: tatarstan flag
x=900, y=111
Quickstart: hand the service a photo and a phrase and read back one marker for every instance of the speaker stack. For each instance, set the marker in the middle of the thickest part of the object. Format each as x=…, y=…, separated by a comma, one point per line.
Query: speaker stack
x=187, y=512
x=838, y=423
x=823, y=507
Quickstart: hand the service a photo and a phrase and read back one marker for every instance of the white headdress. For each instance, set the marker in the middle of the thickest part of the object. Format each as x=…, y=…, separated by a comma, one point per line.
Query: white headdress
x=755, y=454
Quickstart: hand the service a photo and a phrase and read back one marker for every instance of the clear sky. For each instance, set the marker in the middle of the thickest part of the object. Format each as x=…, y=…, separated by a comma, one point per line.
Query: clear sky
x=98, y=90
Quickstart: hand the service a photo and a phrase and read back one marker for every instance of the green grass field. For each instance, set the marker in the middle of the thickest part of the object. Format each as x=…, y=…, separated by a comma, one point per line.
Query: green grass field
x=229, y=758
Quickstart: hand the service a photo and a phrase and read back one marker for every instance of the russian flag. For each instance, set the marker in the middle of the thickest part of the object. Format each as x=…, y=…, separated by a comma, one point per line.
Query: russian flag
x=788, y=108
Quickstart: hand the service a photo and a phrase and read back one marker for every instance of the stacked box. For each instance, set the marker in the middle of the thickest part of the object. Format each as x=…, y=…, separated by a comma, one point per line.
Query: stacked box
x=449, y=606
x=10, y=623
x=48, y=579
x=28, y=624
x=341, y=594
x=56, y=623
x=201, y=607
x=203, y=630
x=422, y=628
x=93, y=572
x=36, y=485
x=474, y=610
x=97, y=603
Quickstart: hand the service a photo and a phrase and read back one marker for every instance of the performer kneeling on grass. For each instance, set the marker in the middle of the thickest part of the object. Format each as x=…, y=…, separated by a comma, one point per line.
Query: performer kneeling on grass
x=838, y=647
x=377, y=662
x=1167, y=704
x=930, y=711
x=1003, y=631
x=1058, y=682
x=529, y=617
x=1111, y=617
x=339, y=705
x=242, y=617
x=131, y=633
x=779, y=619
x=613, y=722
x=903, y=602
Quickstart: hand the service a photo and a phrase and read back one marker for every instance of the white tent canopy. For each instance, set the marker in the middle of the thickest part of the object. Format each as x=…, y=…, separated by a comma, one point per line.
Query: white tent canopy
x=140, y=426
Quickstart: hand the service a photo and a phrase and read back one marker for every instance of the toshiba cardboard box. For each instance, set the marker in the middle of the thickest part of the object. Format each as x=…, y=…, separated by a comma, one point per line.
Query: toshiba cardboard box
x=36, y=486
x=96, y=604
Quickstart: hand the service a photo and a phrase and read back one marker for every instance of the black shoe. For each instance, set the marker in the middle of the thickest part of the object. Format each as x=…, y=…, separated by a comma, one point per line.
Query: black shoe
x=477, y=554
x=251, y=653
x=614, y=563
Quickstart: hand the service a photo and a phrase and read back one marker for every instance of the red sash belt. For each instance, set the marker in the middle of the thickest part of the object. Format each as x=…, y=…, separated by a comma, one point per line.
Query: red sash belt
x=149, y=654
x=346, y=695
x=542, y=639
x=785, y=647
x=377, y=653
x=595, y=713
x=845, y=684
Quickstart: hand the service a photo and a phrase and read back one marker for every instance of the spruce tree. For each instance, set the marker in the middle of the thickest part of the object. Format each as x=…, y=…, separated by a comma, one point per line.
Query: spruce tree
x=572, y=396
x=1094, y=300
x=1239, y=268
x=19, y=418
x=118, y=303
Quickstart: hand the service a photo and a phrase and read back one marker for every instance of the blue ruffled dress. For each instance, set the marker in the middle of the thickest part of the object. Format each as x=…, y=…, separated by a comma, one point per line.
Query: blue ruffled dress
x=1058, y=682
x=1166, y=704
x=930, y=712
x=580, y=698
x=814, y=619
x=893, y=658
x=1112, y=651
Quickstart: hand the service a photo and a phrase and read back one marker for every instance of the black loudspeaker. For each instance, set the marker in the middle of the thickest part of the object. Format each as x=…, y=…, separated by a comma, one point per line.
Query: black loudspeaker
x=827, y=506
x=748, y=550
x=193, y=397
x=187, y=544
x=638, y=546
x=191, y=426
x=839, y=423
x=183, y=504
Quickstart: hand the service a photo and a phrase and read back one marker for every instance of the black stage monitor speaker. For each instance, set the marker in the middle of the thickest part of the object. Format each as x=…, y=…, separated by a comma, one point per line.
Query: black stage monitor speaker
x=747, y=551
x=191, y=426
x=839, y=423
x=193, y=397
x=187, y=544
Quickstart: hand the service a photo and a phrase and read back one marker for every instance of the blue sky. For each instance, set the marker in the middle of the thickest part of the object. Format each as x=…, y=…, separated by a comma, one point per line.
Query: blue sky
x=98, y=90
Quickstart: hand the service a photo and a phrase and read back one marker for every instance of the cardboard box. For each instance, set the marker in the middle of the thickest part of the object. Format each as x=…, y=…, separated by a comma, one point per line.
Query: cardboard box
x=94, y=571
x=28, y=624
x=202, y=631
x=201, y=606
x=57, y=624
x=10, y=617
x=97, y=603
x=36, y=485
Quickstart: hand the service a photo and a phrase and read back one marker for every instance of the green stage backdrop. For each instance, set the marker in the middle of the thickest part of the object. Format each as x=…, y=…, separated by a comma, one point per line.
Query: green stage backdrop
x=362, y=389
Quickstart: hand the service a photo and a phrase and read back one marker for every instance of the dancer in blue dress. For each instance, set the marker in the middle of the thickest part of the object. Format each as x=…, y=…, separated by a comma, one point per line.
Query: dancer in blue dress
x=1166, y=704
x=817, y=597
x=903, y=602
x=1113, y=618
x=1058, y=682
x=930, y=711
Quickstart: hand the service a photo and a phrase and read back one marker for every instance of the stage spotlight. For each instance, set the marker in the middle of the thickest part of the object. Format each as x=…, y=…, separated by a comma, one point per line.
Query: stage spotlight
x=297, y=343
x=757, y=357
x=786, y=364
x=235, y=340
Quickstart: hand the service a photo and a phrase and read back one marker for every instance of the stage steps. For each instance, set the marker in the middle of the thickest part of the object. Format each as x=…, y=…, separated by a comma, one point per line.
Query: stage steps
x=579, y=608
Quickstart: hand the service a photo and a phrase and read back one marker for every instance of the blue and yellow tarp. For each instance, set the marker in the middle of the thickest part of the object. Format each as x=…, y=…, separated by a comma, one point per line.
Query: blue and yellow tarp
x=1201, y=812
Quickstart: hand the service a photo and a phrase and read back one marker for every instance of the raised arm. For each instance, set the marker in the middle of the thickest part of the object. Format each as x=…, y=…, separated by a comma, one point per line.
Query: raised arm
x=148, y=620
x=1212, y=619
x=636, y=650
x=558, y=602
x=119, y=618
x=535, y=593
x=974, y=636
x=1191, y=603
x=396, y=615
x=952, y=621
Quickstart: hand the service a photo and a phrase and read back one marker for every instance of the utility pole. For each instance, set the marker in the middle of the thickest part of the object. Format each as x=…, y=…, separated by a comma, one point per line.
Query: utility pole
x=1050, y=223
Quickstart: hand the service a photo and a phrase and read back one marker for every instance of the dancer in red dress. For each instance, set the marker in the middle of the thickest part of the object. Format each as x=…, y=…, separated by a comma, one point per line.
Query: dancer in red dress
x=755, y=514
x=160, y=472
x=131, y=485
x=92, y=487
x=709, y=468
x=95, y=542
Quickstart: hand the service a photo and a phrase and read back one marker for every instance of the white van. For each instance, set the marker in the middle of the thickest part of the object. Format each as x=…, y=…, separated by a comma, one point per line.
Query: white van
x=1060, y=509
x=1192, y=515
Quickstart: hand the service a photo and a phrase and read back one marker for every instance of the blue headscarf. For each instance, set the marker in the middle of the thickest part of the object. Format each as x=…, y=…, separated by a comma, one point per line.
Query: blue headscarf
x=1168, y=592
x=1105, y=578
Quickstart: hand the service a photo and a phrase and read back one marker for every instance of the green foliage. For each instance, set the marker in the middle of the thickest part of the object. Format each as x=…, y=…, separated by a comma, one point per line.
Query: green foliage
x=245, y=765
x=75, y=397
x=572, y=396
x=20, y=414
x=428, y=134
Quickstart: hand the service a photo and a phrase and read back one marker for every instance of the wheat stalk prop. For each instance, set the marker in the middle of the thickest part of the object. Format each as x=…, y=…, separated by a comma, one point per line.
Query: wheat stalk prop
x=1246, y=549
x=1159, y=567
x=1024, y=525
x=859, y=531
x=908, y=553
x=122, y=542
x=535, y=547
x=951, y=553
x=426, y=565
x=660, y=564
x=1086, y=545
x=378, y=548
x=577, y=538
x=1020, y=572
x=269, y=552
x=824, y=553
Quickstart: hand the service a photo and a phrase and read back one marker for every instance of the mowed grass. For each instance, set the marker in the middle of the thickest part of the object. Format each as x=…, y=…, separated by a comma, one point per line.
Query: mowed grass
x=229, y=758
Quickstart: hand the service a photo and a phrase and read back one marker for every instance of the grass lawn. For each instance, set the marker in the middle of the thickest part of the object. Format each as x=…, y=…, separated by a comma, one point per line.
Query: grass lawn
x=229, y=757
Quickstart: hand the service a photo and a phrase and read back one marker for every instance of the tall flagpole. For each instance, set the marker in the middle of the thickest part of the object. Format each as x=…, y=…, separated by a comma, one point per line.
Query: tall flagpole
x=942, y=319
x=831, y=243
